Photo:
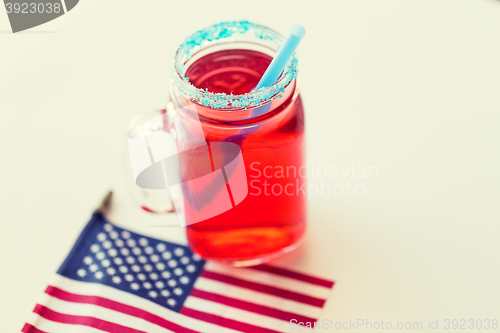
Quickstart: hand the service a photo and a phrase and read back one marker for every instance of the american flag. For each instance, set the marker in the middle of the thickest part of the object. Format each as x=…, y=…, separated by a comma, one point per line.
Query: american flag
x=115, y=280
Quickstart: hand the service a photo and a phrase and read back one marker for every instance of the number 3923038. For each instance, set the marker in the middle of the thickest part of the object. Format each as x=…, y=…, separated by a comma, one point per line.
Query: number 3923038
x=32, y=8
x=471, y=324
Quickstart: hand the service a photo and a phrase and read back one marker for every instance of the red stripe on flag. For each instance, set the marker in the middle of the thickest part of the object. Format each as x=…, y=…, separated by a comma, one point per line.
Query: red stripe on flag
x=224, y=322
x=102, y=325
x=248, y=306
x=283, y=293
x=294, y=275
x=28, y=328
x=116, y=306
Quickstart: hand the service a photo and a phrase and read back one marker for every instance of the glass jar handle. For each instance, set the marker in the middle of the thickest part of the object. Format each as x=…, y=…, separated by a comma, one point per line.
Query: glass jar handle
x=149, y=139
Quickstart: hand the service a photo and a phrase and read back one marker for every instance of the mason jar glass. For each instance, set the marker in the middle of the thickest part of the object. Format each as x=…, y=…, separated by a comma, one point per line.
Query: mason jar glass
x=267, y=212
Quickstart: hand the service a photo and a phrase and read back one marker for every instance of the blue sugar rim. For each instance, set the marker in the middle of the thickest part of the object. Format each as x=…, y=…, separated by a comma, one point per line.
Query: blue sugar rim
x=223, y=101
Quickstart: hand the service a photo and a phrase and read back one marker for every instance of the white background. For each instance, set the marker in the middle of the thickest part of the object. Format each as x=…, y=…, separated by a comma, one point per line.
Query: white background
x=412, y=87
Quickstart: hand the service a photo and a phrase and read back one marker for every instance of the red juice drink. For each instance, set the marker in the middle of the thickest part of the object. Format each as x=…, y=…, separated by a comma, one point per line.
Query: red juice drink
x=234, y=72
x=218, y=82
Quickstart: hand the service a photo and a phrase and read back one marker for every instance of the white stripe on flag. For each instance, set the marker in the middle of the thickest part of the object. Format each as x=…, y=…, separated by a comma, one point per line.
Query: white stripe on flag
x=94, y=289
x=236, y=314
x=78, y=309
x=257, y=297
x=270, y=279
x=53, y=327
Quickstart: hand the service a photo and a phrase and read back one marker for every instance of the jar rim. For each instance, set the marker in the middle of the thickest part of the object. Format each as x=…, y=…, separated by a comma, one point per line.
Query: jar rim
x=223, y=101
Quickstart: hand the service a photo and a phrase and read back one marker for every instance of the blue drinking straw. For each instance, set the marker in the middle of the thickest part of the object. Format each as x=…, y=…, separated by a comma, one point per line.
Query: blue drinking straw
x=284, y=54
x=270, y=76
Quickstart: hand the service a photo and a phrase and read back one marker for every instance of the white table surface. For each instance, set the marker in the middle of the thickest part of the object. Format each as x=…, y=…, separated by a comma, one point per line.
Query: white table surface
x=411, y=87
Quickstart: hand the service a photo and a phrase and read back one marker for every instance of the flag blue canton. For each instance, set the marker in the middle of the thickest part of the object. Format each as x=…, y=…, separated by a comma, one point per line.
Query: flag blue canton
x=159, y=271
